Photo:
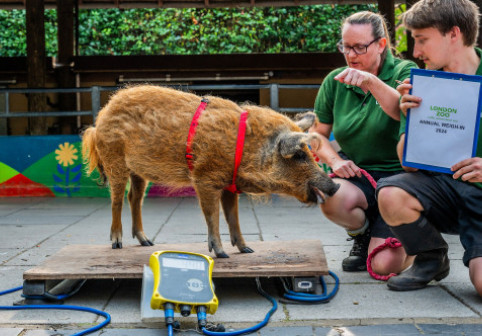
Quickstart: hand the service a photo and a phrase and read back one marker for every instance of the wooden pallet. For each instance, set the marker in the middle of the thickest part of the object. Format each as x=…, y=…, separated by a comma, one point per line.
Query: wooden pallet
x=270, y=259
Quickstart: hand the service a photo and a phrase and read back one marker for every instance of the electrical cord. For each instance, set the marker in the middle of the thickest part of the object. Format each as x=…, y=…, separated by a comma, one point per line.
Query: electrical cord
x=253, y=328
x=61, y=307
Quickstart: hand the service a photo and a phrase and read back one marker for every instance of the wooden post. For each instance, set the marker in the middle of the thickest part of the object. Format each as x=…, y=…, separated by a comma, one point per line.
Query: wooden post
x=387, y=9
x=36, y=67
x=63, y=68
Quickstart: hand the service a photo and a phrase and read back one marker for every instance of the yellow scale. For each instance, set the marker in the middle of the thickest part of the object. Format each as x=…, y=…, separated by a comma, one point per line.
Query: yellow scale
x=183, y=279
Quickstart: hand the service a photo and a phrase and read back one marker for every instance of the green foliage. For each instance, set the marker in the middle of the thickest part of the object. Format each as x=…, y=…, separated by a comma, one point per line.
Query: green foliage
x=13, y=41
x=400, y=34
x=190, y=31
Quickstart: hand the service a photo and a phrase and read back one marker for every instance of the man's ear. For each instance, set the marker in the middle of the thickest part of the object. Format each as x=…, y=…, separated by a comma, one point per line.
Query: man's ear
x=454, y=33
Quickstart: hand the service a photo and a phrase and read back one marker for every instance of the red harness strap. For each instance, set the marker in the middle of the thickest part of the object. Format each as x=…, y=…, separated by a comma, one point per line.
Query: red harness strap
x=239, y=151
x=192, y=132
x=239, y=142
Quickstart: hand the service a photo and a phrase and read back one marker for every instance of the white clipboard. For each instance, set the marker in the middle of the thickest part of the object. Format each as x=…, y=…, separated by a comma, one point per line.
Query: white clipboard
x=444, y=129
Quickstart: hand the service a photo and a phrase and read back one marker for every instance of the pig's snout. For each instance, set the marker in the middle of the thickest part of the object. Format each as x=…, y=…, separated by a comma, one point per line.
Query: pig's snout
x=327, y=189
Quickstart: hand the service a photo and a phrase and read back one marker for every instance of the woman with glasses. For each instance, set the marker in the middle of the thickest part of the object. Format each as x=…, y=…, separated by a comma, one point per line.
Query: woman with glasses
x=360, y=105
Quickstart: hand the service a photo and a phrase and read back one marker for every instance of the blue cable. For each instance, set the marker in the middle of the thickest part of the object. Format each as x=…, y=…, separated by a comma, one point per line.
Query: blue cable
x=313, y=297
x=61, y=307
x=253, y=328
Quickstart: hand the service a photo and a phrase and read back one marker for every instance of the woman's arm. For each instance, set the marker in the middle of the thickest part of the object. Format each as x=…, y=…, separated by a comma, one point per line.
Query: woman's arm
x=386, y=96
x=327, y=154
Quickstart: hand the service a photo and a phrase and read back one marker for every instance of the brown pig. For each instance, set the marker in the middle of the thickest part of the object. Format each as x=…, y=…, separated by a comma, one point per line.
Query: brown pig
x=141, y=135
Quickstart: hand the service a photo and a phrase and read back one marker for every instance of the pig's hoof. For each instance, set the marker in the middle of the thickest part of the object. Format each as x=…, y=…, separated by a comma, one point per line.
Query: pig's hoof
x=117, y=245
x=147, y=243
x=247, y=250
x=222, y=255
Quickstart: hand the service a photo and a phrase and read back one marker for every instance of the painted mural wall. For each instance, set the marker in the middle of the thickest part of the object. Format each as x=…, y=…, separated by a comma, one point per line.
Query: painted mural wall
x=52, y=166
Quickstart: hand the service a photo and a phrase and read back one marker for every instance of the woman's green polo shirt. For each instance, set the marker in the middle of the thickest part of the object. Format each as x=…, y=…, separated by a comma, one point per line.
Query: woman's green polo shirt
x=478, y=152
x=362, y=129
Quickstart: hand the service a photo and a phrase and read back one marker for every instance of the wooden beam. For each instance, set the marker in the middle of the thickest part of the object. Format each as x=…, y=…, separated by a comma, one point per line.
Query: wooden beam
x=36, y=69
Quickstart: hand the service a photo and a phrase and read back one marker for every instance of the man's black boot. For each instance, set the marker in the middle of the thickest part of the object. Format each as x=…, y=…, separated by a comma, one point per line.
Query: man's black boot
x=357, y=260
x=428, y=266
x=422, y=239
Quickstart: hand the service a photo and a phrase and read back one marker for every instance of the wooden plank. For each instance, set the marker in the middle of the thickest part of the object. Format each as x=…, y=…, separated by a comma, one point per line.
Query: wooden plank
x=270, y=259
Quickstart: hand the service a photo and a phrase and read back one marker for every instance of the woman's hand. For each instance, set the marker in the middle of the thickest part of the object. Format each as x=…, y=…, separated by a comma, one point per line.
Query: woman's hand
x=355, y=77
x=345, y=168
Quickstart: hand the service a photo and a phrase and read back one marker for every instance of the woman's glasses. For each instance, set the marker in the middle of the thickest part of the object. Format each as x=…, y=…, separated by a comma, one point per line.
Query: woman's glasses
x=359, y=49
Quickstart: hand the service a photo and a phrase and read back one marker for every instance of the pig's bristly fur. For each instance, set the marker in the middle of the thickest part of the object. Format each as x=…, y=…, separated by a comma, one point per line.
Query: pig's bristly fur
x=141, y=135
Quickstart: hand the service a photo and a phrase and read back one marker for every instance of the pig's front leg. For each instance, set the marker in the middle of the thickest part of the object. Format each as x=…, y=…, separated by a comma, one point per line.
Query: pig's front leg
x=209, y=201
x=229, y=202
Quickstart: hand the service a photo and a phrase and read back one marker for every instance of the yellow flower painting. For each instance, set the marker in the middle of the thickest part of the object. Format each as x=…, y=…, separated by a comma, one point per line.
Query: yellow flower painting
x=66, y=154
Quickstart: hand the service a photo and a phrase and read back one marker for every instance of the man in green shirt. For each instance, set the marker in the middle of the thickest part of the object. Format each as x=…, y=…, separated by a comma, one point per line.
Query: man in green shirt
x=418, y=205
x=359, y=104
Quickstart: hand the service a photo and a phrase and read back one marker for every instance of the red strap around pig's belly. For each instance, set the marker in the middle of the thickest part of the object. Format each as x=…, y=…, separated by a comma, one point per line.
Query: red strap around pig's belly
x=239, y=143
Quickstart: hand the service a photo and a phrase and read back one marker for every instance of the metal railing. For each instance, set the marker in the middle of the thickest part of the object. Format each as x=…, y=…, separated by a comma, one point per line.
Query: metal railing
x=95, y=94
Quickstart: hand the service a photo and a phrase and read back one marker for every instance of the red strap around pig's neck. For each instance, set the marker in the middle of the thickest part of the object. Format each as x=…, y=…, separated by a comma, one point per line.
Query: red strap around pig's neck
x=239, y=142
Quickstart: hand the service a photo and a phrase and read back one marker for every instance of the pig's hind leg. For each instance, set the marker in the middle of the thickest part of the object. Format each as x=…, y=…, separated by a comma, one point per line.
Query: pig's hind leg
x=135, y=197
x=229, y=202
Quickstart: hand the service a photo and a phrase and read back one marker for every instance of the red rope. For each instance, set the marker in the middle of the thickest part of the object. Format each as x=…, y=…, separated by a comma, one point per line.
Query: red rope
x=389, y=242
x=364, y=173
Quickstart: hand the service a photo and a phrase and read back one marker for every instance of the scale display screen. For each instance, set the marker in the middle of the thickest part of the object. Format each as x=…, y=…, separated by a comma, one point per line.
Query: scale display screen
x=195, y=265
x=184, y=277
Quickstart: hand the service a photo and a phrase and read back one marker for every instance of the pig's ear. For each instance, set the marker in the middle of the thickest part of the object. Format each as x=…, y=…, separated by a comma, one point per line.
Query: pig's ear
x=291, y=144
x=305, y=120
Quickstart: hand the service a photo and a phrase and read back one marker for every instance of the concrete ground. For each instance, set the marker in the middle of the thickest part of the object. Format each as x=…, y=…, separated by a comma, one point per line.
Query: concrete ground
x=32, y=229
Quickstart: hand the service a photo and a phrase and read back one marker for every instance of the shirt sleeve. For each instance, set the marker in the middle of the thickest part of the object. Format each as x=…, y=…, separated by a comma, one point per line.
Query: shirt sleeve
x=324, y=103
x=403, y=123
x=404, y=73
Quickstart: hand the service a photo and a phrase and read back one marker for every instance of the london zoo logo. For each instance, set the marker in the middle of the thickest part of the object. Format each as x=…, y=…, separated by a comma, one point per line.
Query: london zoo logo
x=442, y=111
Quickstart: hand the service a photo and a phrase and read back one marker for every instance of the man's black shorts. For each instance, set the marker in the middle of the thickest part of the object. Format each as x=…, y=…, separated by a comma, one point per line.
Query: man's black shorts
x=452, y=206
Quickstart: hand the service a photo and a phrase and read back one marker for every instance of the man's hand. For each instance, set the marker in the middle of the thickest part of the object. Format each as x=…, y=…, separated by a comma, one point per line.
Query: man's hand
x=407, y=101
x=469, y=169
x=345, y=168
x=355, y=77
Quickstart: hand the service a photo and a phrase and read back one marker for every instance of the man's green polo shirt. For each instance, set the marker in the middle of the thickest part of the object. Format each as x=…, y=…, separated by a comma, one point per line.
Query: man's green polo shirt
x=478, y=152
x=364, y=132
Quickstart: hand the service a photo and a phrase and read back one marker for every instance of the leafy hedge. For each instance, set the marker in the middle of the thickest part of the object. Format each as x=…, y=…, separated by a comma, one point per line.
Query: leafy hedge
x=189, y=31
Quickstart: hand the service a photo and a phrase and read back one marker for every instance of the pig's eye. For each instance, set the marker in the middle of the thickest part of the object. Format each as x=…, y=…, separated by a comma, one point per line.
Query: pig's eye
x=299, y=156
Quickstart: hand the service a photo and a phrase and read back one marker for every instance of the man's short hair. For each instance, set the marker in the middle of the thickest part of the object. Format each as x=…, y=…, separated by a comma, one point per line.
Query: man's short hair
x=444, y=15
